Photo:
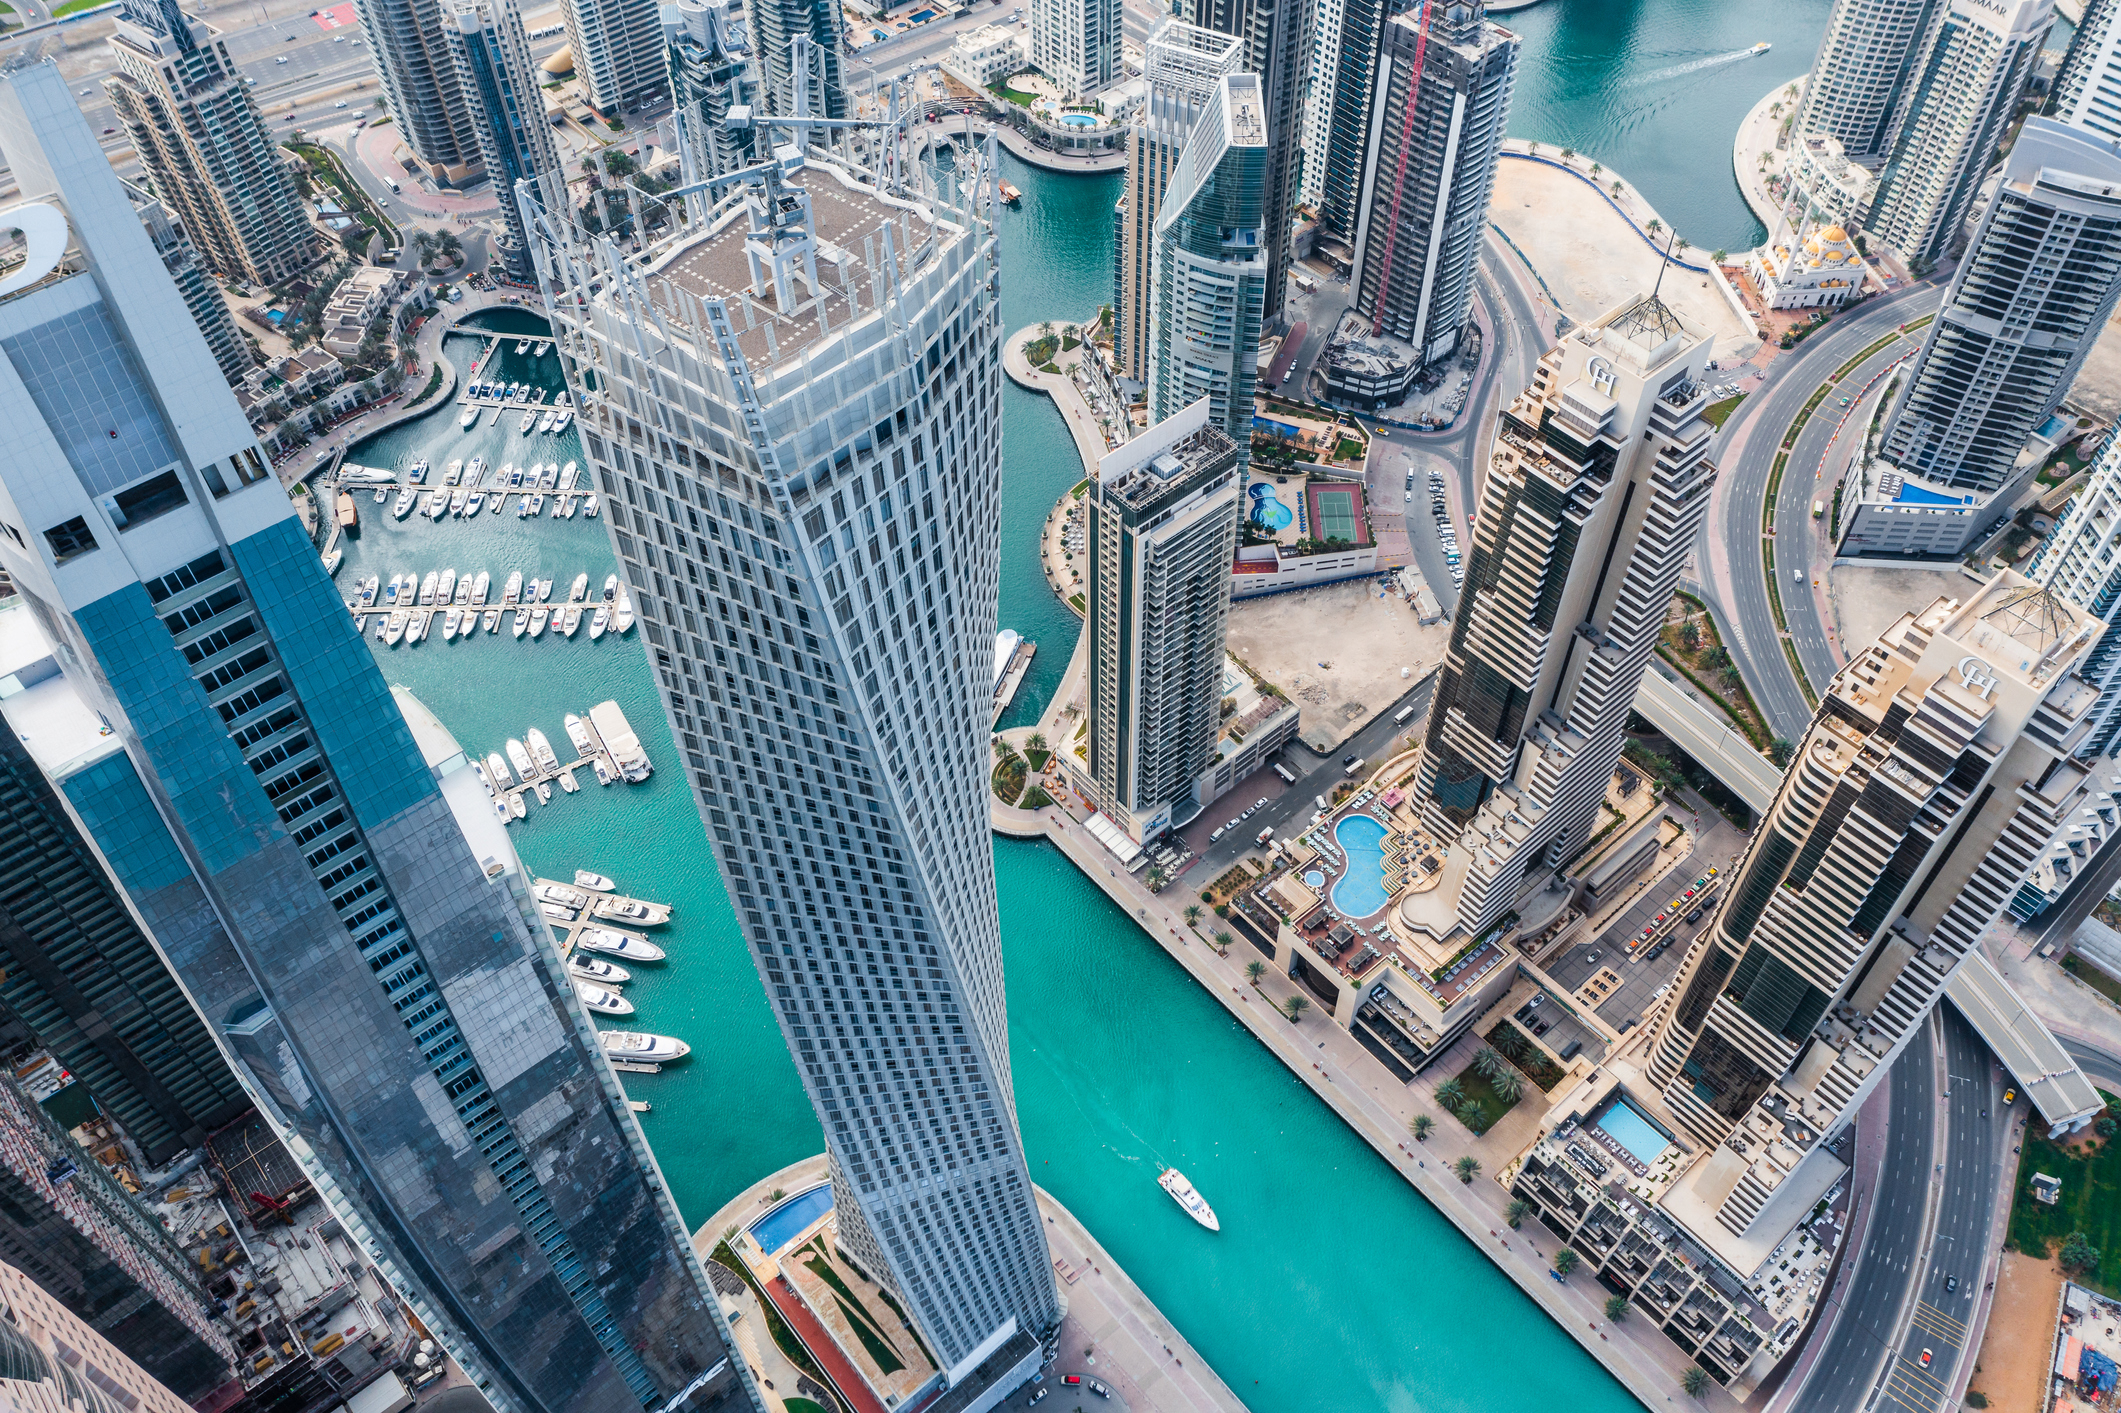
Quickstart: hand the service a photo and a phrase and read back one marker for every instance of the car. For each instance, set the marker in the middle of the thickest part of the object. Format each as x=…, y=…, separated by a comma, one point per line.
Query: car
x=1844, y=402
x=1349, y=760
x=1798, y=575
x=340, y=104
x=1071, y=1379
x=86, y=92
x=281, y=59
x=1099, y=1389
x=108, y=131
x=1235, y=822
x=1694, y=916
x=1689, y=893
x=1260, y=803
x=1034, y=1398
x=1951, y=1283
x=2010, y=1094
x=1924, y=1361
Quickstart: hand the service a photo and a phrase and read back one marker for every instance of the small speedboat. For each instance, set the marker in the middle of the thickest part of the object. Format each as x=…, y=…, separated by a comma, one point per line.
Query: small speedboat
x=568, y=782
x=456, y=501
x=530, y=420
x=597, y=969
x=446, y=591
x=603, y=771
x=494, y=500
x=406, y=500
x=541, y=750
x=522, y=621
x=474, y=503
x=549, y=479
x=579, y=589
x=533, y=505
x=544, y=421
x=470, y=418
x=601, y=999
x=642, y=1047
x=474, y=472
x=416, y=627
x=567, y=619
x=1174, y=1182
x=566, y=416
x=519, y=757
x=369, y=586
x=584, y=745
x=1761, y=48
x=594, y=882
x=437, y=505
x=568, y=475
x=522, y=347
x=516, y=808
x=598, y=622
x=497, y=768
x=394, y=627
x=451, y=621
x=611, y=588
x=544, y=591
x=538, y=617
x=453, y=472
x=417, y=473
x=589, y=506
x=493, y=620
x=544, y=792
x=626, y=946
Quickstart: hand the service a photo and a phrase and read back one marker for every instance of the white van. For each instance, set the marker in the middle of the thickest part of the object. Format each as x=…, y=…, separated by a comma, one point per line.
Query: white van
x=1220, y=830
x=1283, y=772
x=1352, y=766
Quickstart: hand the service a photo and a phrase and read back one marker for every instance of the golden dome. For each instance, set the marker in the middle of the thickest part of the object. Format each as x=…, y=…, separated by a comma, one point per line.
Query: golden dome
x=1812, y=245
x=1834, y=235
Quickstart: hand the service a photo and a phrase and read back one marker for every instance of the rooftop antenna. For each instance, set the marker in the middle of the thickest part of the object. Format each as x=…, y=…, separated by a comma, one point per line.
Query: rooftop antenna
x=1662, y=264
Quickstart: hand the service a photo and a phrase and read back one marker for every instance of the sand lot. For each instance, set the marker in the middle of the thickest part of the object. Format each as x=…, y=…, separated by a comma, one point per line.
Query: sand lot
x=1338, y=651
x=2012, y=1365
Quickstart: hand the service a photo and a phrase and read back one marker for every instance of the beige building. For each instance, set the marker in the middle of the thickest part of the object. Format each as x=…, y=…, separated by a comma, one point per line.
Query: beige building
x=984, y=57
x=53, y=1362
x=1820, y=270
x=354, y=305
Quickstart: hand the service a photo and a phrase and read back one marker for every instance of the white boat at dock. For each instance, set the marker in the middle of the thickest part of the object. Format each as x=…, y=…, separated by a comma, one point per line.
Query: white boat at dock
x=494, y=500
x=544, y=591
x=594, y=882
x=568, y=475
x=544, y=792
x=390, y=591
x=522, y=347
x=578, y=591
x=589, y=506
x=603, y=771
x=427, y=586
x=367, y=595
x=584, y=745
x=598, y=622
x=641, y=1047
x=611, y=942
x=1182, y=1192
x=470, y=418
x=453, y=472
x=417, y=472
x=541, y=750
x=622, y=616
x=624, y=748
x=522, y=621
x=498, y=769
x=597, y=969
x=437, y=505
x=450, y=622
x=538, y=617
x=532, y=506
x=637, y=911
x=416, y=628
x=529, y=422
x=566, y=416
x=601, y=1000
x=544, y=421
x=513, y=589
x=394, y=627
x=479, y=586
x=519, y=757
x=474, y=471
x=407, y=498
x=549, y=478
x=493, y=620
x=567, y=620
x=516, y=808
x=568, y=782
x=446, y=591
x=456, y=501
x=474, y=503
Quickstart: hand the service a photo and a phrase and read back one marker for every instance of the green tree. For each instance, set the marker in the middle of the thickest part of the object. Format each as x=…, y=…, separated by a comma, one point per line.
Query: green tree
x=1467, y=1167
x=1451, y=1094
x=1035, y=741
x=1716, y=658
x=1596, y=169
x=1255, y=970
x=1719, y=255
x=1568, y=154
x=1780, y=750
x=1419, y=1126
x=1222, y=942
x=2079, y=1255
x=1193, y=914
x=1295, y=1007
x=1694, y=1380
x=1564, y=1262
x=1616, y=188
x=1489, y=1063
x=2106, y=1127
x=1616, y=1308
x=1690, y=636
x=1508, y=1087
x=1655, y=225
x=1517, y=1211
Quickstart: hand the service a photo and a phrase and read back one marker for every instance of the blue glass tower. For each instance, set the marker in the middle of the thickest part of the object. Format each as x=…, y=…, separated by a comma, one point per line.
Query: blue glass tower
x=384, y=990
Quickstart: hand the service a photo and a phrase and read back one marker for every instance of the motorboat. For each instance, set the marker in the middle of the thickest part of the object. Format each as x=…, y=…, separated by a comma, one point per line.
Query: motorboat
x=584, y=745
x=515, y=390
x=589, y=505
x=597, y=969
x=544, y=792
x=516, y=808
x=611, y=588
x=1174, y=1182
x=437, y=505
x=515, y=477
x=416, y=629
x=453, y=472
x=381, y=495
x=470, y=418
x=394, y=627
x=583, y=878
x=560, y=423
x=600, y=999
x=539, y=616
x=474, y=471
x=531, y=394
x=474, y=503
x=390, y=591
x=369, y=586
x=427, y=586
x=545, y=419
x=568, y=782
x=549, y=479
x=456, y=501
x=560, y=893
x=599, y=621
x=493, y=620
x=513, y=589
x=382, y=625
x=498, y=769
x=567, y=620
x=479, y=586
x=463, y=593
x=494, y=499
x=445, y=591
x=522, y=621
x=544, y=591
x=417, y=473
x=622, y=616
x=528, y=424
x=568, y=475
x=579, y=589
x=641, y=1047
x=406, y=500
x=519, y=757
x=603, y=771
x=611, y=942
x=534, y=505
x=565, y=509
x=633, y=910
x=541, y=750
x=1761, y=48
x=451, y=621
x=522, y=347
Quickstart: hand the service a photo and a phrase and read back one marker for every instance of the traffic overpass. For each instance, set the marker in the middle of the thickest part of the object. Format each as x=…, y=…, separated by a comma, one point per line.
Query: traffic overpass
x=2028, y=1049
x=1709, y=738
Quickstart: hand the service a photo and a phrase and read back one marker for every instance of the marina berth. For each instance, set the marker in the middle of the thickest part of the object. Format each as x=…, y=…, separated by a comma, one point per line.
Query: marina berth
x=626, y=946
x=640, y=1046
x=597, y=969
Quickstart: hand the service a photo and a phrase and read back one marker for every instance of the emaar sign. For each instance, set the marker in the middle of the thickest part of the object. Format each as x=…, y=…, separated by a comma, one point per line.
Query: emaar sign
x=43, y=228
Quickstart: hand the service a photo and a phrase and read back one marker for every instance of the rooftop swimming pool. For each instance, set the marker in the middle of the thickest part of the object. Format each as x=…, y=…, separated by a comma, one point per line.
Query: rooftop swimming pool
x=1314, y=879
x=1079, y=120
x=1267, y=508
x=785, y=1222
x=1361, y=890
x=1632, y=1131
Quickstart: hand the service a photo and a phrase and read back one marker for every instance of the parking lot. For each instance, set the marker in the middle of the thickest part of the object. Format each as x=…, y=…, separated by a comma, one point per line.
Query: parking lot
x=1446, y=532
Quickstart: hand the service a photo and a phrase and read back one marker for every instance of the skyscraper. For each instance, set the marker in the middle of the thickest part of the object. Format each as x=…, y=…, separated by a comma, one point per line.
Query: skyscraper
x=1337, y=114
x=209, y=307
x=1958, y=102
x=100, y=1263
x=1180, y=66
x=420, y=86
x=2081, y=562
x=1430, y=172
x=189, y=114
x=803, y=501
x=1599, y=480
x=2087, y=89
x=775, y=24
x=1162, y=527
x=500, y=82
x=1933, y=771
x=709, y=73
x=1076, y=44
x=1859, y=81
x=376, y=973
x=2026, y=305
x=1211, y=270
x=1277, y=48
x=618, y=52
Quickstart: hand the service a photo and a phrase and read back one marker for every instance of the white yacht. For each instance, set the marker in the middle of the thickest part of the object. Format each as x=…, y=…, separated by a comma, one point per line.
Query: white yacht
x=568, y=474
x=522, y=622
x=474, y=503
x=437, y=504
x=394, y=627
x=642, y=1047
x=417, y=473
x=406, y=499
x=589, y=506
x=544, y=421
x=541, y=750
x=493, y=620
x=622, y=616
x=568, y=782
x=474, y=472
x=446, y=591
x=453, y=472
x=529, y=422
x=456, y=501
x=611, y=588
x=522, y=347
x=416, y=627
x=451, y=621
x=367, y=594
x=601, y=999
x=626, y=946
x=1174, y=1182
x=584, y=745
x=597, y=969
x=498, y=769
x=599, y=621
x=427, y=587
x=470, y=418
x=519, y=757
x=633, y=910
x=538, y=617
x=479, y=586
x=579, y=589
x=513, y=589
x=549, y=478
x=567, y=619
x=583, y=878
x=566, y=416
x=544, y=591
x=516, y=808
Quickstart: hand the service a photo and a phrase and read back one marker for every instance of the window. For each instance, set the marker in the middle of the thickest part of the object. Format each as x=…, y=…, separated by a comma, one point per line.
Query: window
x=70, y=539
x=144, y=500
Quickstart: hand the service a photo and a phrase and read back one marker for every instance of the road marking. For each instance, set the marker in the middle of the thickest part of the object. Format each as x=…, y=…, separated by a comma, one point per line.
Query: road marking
x=1930, y=1318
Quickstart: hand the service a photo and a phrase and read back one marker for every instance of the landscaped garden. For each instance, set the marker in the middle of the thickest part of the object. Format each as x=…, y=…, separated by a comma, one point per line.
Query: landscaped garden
x=1483, y=1092
x=2083, y=1228
x=1519, y=1049
x=1690, y=642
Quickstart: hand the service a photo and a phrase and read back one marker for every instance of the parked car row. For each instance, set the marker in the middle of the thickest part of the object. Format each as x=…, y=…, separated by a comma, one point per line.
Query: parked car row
x=1446, y=532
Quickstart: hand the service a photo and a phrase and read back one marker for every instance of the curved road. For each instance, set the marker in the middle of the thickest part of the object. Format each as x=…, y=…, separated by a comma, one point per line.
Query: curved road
x=1746, y=457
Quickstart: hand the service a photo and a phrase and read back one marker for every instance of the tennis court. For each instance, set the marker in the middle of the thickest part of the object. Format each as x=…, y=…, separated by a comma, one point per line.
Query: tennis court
x=1336, y=512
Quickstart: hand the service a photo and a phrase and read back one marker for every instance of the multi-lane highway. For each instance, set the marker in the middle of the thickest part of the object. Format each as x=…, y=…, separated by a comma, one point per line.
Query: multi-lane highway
x=1746, y=457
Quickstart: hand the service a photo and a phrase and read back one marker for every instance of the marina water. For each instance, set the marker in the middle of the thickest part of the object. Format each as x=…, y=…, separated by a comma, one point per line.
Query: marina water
x=1332, y=1285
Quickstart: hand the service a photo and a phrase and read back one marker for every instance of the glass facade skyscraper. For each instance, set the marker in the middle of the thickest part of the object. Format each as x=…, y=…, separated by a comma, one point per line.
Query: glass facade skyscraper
x=391, y=1001
x=500, y=82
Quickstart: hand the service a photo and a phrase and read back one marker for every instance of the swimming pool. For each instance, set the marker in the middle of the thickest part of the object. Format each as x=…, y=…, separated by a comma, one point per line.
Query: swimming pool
x=781, y=1226
x=1361, y=890
x=1267, y=508
x=1632, y=1131
x=1079, y=120
x=1314, y=879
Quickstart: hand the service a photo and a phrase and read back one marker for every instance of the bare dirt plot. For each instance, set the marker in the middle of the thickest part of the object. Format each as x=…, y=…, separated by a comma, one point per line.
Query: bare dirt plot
x=1338, y=651
x=2012, y=1366
x=1866, y=601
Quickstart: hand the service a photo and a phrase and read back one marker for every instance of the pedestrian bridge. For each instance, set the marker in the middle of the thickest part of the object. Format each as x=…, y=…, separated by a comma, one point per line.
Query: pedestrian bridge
x=1710, y=739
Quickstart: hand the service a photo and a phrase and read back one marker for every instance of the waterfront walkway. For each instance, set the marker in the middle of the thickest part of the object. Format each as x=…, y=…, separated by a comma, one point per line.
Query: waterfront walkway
x=1111, y=1330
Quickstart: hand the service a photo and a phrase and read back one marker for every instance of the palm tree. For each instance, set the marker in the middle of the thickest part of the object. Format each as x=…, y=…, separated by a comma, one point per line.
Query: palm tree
x=1507, y=1086
x=1517, y=1211
x=1596, y=169
x=1193, y=915
x=1532, y=147
x=1451, y=1094
x=1564, y=1262
x=1467, y=1167
x=423, y=245
x=1254, y=971
x=1036, y=741
x=1222, y=942
x=1616, y=1308
x=1694, y=1380
x=1719, y=256
x=1655, y=225
x=1294, y=1008
x=1490, y=1064
x=1419, y=1126
x=1568, y=154
x=1616, y=188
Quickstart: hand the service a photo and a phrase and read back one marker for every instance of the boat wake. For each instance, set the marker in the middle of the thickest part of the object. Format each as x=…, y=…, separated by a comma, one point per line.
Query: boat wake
x=1693, y=67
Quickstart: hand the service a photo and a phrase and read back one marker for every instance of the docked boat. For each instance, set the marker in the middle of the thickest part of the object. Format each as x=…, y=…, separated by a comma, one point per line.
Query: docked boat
x=611, y=588
x=437, y=504
x=544, y=421
x=394, y=627
x=544, y=591
x=369, y=586
x=611, y=942
x=406, y=500
x=462, y=596
x=493, y=620
x=498, y=769
x=470, y=418
x=522, y=621
x=538, y=618
x=584, y=745
x=479, y=586
x=446, y=591
x=417, y=472
x=456, y=501
x=474, y=503
x=513, y=589
x=560, y=423
x=381, y=495
x=597, y=969
x=583, y=878
x=579, y=589
x=453, y=472
x=494, y=499
x=601, y=999
x=390, y=591
x=624, y=748
x=622, y=616
x=541, y=750
x=515, y=477
x=474, y=472
x=568, y=782
x=528, y=424
x=427, y=586
x=598, y=622
x=589, y=505
x=1182, y=1192
x=560, y=893
x=516, y=808
x=451, y=621
x=533, y=505
x=641, y=1047
x=569, y=474
x=544, y=792
x=416, y=626
x=567, y=620
x=519, y=757
x=603, y=771
x=633, y=910
x=549, y=478
x=522, y=347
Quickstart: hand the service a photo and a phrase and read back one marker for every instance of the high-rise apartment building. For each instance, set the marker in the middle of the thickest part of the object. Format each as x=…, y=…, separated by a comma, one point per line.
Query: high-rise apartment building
x=1162, y=527
x=1337, y=114
x=709, y=74
x=100, y=1263
x=1429, y=173
x=2028, y=301
x=202, y=296
x=802, y=494
x=499, y=80
x=1076, y=44
x=775, y=25
x=1935, y=769
x=2081, y=562
x=188, y=112
x=1277, y=49
x=407, y=44
x=53, y=1359
x=1958, y=102
x=618, y=52
x=77, y=968
x=2086, y=92
x=1180, y=66
x=1599, y=480
x=1211, y=269
x=1859, y=82
x=361, y=947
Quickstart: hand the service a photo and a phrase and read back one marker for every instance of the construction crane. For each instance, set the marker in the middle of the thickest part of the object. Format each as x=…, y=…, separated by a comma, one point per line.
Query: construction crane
x=1399, y=176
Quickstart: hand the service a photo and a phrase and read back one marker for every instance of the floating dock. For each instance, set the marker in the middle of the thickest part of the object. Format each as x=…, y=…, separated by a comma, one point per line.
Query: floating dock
x=1009, y=675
